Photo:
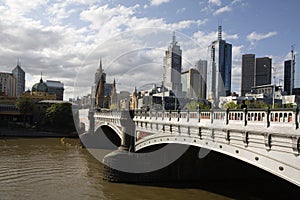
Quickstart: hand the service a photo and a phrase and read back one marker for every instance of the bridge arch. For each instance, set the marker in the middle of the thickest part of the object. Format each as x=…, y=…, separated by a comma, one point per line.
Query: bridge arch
x=105, y=136
x=257, y=158
x=112, y=133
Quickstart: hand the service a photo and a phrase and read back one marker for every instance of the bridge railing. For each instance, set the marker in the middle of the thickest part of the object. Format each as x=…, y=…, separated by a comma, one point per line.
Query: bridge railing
x=256, y=117
x=108, y=116
x=263, y=117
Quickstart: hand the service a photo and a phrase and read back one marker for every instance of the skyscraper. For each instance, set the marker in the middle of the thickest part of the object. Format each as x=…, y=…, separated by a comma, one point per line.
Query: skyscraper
x=219, y=68
x=19, y=74
x=263, y=71
x=248, y=68
x=172, y=68
x=201, y=65
x=287, y=76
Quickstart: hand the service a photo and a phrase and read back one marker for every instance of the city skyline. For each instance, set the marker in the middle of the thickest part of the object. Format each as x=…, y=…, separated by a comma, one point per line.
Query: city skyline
x=57, y=37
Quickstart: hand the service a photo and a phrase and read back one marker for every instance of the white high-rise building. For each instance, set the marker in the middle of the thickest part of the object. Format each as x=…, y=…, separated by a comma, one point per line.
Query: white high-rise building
x=172, y=68
x=8, y=84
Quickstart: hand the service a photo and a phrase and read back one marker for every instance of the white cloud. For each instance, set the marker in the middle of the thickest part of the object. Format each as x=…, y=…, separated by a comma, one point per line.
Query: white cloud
x=158, y=2
x=22, y=7
x=181, y=10
x=222, y=10
x=99, y=15
x=215, y=2
x=257, y=36
x=254, y=37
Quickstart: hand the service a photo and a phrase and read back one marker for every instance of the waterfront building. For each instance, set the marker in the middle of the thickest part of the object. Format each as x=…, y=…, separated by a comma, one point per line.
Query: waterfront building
x=201, y=66
x=19, y=74
x=191, y=83
x=263, y=71
x=8, y=84
x=39, y=91
x=247, y=74
x=219, y=68
x=57, y=88
x=172, y=68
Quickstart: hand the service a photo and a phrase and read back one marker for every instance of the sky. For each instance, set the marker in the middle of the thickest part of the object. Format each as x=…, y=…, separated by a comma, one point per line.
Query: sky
x=65, y=39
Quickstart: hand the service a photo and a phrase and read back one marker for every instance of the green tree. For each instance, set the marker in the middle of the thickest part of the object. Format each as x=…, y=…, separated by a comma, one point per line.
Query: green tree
x=204, y=106
x=257, y=104
x=192, y=105
x=231, y=105
x=25, y=106
x=59, y=116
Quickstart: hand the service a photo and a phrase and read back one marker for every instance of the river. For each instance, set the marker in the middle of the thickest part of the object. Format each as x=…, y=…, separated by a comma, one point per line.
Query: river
x=49, y=168
x=46, y=168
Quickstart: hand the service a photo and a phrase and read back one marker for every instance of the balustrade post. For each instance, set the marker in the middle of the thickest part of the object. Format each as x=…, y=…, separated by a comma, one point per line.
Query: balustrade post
x=178, y=115
x=163, y=119
x=211, y=116
x=227, y=116
x=296, y=113
x=268, y=116
x=199, y=113
x=245, y=116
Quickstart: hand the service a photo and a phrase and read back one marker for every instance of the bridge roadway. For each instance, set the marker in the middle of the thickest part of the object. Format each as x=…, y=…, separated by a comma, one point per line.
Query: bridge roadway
x=268, y=139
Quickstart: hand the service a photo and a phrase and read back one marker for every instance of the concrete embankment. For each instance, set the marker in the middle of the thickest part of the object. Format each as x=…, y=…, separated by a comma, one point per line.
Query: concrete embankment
x=33, y=133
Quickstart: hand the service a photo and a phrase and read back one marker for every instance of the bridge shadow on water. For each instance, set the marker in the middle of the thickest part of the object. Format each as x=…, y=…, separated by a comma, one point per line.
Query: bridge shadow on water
x=224, y=175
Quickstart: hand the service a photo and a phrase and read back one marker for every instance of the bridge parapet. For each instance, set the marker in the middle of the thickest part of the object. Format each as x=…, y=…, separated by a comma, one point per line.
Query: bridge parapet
x=113, y=117
x=269, y=127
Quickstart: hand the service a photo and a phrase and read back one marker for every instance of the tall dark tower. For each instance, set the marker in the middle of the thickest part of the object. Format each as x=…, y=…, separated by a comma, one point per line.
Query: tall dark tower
x=248, y=68
x=263, y=71
x=219, y=68
x=287, y=76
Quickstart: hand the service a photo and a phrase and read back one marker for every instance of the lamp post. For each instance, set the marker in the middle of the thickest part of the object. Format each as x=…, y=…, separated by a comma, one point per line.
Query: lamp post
x=163, y=96
x=274, y=85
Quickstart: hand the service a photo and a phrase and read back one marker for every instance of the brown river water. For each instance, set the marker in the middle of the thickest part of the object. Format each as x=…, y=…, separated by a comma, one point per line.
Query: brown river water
x=46, y=168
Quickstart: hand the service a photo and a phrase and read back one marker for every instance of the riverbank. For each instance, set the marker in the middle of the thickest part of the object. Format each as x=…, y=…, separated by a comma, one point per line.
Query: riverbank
x=34, y=133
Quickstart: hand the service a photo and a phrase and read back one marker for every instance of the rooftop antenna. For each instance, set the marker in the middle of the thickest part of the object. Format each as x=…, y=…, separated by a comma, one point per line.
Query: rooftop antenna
x=174, y=39
x=100, y=65
x=41, y=80
x=292, y=69
x=220, y=32
x=18, y=62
